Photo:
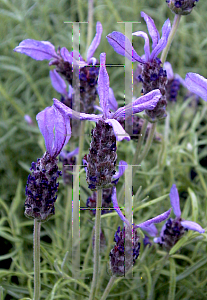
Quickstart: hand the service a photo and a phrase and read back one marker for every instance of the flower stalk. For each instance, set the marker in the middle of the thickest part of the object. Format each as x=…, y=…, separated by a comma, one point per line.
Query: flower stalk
x=108, y=288
x=173, y=31
x=37, y=282
x=96, y=244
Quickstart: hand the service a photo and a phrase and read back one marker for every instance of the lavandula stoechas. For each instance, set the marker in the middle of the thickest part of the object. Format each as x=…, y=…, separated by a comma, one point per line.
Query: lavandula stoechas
x=42, y=184
x=101, y=159
x=174, y=229
x=64, y=60
x=152, y=75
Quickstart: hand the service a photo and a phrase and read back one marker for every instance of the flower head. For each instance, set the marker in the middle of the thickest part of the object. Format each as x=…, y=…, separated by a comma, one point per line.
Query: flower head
x=174, y=229
x=181, y=7
x=152, y=74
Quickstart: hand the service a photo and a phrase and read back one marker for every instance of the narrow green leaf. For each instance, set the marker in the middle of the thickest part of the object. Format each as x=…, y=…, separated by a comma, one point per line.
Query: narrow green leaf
x=192, y=269
x=178, y=245
x=194, y=203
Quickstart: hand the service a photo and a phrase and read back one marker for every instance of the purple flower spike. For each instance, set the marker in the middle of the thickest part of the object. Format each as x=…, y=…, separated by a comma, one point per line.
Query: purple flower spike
x=175, y=201
x=96, y=41
x=38, y=50
x=197, y=84
x=51, y=119
x=192, y=226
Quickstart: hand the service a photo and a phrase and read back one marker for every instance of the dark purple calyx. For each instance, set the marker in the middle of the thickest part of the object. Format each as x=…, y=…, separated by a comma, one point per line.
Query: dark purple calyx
x=171, y=233
x=154, y=77
x=125, y=251
x=41, y=188
x=67, y=171
x=106, y=206
x=172, y=89
x=101, y=160
x=181, y=7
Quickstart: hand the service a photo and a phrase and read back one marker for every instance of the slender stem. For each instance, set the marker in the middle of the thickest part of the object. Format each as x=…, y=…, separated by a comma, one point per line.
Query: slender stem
x=171, y=37
x=90, y=23
x=96, y=244
x=81, y=143
x=36, y=259
x=148, y=144
x=108, y=288
x=139, y=144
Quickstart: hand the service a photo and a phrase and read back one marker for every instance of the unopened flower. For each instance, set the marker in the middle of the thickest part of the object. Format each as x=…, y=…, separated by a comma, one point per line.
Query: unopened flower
x=152, y=75
x=42, y=183
x=65, y=62
x=101, y=159
x=181, y=7
x=68, y=160
x=174, y=229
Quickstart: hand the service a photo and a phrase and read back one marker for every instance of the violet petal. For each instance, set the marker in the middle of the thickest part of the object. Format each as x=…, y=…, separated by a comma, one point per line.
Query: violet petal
x=38, y=50
x=103, y=86
x=74, y=114
x=155, y=220
x=122, y=167
x=166, y=28
x=167, y=66
x=148, y=101
x=118, y=40
x=116, y=206
x=175, y=201
x=96, y=41
x=113, y=105
x=146, y=44
x=119, y=131
x=192, y=226
x=154, y=33
x=58, y=82
x=151, y=230
x=73, y=153
x=197, y=84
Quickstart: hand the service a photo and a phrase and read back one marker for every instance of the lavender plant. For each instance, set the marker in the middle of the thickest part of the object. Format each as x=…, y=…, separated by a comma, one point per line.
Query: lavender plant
x=104, y=147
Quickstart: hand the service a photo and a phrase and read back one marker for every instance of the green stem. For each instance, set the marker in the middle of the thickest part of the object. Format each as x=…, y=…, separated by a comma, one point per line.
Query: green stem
x=96, y=244
x=108, y=288
x=90, y=23
x=81, y=143
x=171, y=37
x=139, y=144
x=36, y=259
x=148, y=144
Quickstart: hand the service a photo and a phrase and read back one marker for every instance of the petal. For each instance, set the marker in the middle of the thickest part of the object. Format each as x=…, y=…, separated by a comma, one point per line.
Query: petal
x=192, y=226
x=116, y=206
x=151, y=230
x=58, y=83
x=113, y=105
x=163, y=41
x=51, y=119
x=123, y=46
x=74, y=114
x=175, y=201
x=122, y=167
x=148, y=101
x=157, y=240
x=197, y=84
x=73, y=153
x=167, y=66
x=96, y=41
x=154, y=33
x=146, y=44
x=119, y=132
x=38, y=50
x=155, y=220
x=72, y=57
x=103, y=86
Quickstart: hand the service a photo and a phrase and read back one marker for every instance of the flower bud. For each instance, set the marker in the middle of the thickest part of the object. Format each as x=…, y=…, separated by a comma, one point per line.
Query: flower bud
x=181, y=7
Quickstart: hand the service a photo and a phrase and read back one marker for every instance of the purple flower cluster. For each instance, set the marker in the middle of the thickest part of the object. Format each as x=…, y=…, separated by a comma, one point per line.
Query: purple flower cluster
x=181, y=7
